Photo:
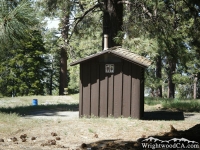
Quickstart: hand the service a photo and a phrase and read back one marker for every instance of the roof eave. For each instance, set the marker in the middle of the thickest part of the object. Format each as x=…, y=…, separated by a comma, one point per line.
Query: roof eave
x=145, y=63
x=132, y=61
x=89, y=57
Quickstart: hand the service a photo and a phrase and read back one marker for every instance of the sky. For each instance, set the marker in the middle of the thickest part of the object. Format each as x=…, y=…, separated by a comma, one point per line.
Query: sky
x=52, y=23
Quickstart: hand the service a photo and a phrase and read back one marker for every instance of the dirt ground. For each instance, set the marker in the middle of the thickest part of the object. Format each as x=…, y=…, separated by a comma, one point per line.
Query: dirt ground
x=65, y=130
x=57, y=130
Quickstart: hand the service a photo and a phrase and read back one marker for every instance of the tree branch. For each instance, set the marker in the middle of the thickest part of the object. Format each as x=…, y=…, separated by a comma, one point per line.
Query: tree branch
x=141, y=5
x=191, y=8
x=81, y=6
x=79, y=19
x=146, y=10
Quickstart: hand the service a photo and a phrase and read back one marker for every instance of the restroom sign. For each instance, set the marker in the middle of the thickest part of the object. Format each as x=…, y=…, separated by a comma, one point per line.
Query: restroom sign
x=109, y=68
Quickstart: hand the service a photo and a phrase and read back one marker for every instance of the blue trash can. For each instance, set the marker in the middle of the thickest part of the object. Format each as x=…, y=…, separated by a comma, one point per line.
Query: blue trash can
x=34, y=102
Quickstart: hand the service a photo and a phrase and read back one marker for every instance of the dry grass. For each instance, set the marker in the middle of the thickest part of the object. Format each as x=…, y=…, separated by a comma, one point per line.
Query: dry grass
x=42, y=100
x=74, y=132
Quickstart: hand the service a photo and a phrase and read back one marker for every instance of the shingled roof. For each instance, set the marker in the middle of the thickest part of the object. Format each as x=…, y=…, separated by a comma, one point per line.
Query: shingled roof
x=119, y=52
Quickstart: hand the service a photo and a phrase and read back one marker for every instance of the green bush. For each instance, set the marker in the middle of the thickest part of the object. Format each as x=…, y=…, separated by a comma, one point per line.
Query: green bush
x=180, y=105
x=154, y=101
x=183, y=105
x=151, y=101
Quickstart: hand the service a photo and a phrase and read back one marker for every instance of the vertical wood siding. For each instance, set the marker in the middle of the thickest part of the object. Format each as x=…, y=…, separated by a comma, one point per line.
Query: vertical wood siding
x=117, y=94
x=135, y=105
x=118, y=90
x=110, y=94
x=103, y=92
x=126, y=89
x=81, y=92
x=94, y=89
x=142, y=93
x=86, y=89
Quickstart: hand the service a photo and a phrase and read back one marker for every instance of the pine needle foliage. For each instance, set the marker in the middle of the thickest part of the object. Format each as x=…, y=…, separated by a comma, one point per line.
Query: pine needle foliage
x=15, y=20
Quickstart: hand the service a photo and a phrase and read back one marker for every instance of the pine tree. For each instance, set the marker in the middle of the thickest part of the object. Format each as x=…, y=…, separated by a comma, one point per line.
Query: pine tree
x=157, y=29
x=62, y=10
x=23, y=70
x=168, y=23
x=51, y=41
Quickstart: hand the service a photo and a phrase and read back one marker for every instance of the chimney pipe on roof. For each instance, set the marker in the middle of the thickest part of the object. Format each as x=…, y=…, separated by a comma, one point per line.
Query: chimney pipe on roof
x=105, y=42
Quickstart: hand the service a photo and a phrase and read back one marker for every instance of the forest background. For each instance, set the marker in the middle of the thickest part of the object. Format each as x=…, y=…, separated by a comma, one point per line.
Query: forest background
x=35, y=59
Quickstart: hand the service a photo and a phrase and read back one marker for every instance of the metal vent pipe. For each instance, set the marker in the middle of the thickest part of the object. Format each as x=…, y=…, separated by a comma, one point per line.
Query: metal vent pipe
x=105, y=42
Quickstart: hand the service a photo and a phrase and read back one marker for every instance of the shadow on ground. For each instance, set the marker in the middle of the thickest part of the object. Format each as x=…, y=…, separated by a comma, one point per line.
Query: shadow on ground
x=191, y=135
x=40, y=109
x=163, y=115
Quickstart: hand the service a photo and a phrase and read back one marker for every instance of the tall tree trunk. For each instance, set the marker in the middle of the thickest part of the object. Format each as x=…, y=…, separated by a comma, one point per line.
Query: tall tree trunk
x=112, y=21
x=159, y=74
x=171, y=85
x=63, y=71
x=195, y=87
x=63, y=54
x=51, y=82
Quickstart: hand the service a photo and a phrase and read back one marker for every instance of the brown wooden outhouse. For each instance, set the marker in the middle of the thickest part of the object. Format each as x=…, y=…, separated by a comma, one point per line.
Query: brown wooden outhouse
x=112, y=84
